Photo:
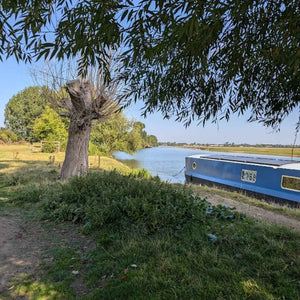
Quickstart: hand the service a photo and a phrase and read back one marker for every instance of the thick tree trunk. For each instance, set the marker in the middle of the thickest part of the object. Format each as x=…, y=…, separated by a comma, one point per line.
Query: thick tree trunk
x=76, y=160
x=82, y=107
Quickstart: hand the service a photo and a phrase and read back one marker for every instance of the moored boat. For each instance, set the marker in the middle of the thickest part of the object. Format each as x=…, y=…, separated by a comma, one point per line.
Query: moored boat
x=268, y=178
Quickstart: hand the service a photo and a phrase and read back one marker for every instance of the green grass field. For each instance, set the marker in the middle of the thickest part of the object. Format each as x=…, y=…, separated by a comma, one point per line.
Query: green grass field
x=153, y=240
x=14, y=157
x=252, y=150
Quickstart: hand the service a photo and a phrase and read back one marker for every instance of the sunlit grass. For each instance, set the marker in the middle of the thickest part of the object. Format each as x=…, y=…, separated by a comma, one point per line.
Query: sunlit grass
x=208, y=192
x=252, y=150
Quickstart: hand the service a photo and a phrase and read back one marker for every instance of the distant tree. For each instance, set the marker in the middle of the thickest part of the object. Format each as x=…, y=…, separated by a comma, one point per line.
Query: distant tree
x=50, y=127
x=23, y=109
x=119, y=134
x=111, y=135
x=136, y=137
x=152, y=140
x=7, y=136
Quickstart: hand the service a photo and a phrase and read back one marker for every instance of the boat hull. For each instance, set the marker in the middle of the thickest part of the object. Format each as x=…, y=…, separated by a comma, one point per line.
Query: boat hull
x=260, y=180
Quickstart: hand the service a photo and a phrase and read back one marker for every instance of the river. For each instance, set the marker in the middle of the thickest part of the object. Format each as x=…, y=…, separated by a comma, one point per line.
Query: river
x=165, y=162
x=168, y=162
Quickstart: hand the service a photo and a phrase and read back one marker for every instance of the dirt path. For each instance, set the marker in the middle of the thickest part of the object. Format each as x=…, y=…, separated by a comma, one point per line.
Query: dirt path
x=22, y=243
x=256, y=212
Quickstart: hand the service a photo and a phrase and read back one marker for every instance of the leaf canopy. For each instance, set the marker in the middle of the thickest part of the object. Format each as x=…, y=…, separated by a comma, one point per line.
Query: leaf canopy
x=208, y=59
x=198, y=60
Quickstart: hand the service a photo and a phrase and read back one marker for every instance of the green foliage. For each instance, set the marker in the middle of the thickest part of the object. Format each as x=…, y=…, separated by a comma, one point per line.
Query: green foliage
x=191, y=59
x=137, y=137
x=152, y=140
x=119, y=134
x=45, y=30
x=7, y=136
x=49, y=147
x=117, y=201
x=23, y=109
x=50, y=127
x=110, y=135
x=197, y=59
x=155, y=241
x=142, y=174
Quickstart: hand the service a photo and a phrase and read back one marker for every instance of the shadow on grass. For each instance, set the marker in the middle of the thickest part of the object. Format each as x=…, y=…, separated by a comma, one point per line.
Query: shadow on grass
x=28, y=172
x=3, y=166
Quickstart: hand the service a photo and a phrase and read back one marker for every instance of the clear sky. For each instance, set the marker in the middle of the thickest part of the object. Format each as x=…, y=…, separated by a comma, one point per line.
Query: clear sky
x=15, y=77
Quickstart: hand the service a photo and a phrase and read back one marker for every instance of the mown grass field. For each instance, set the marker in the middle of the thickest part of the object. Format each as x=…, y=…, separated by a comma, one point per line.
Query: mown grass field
x=152, y=240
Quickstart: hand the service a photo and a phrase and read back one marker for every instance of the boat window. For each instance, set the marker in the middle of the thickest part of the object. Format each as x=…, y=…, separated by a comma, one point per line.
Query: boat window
x=194, y=165
x=290, y=183
x=249, y=175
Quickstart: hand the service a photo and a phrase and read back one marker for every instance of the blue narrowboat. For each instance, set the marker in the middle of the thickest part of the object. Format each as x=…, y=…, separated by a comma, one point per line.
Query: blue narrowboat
x=268, y=178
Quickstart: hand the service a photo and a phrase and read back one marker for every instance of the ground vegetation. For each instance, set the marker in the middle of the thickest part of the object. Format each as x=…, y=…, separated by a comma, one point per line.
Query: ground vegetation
x=149, y=239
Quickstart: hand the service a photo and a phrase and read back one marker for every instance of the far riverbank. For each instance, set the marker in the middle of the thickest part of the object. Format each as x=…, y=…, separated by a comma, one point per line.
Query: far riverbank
x=264, y=150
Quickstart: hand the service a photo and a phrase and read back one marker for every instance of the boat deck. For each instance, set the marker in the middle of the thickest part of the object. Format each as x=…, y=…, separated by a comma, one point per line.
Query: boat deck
x=252, y=160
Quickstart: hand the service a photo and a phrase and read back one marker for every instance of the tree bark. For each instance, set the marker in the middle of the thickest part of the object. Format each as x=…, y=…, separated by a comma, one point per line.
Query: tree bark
x=76, y=160
x=82, y=107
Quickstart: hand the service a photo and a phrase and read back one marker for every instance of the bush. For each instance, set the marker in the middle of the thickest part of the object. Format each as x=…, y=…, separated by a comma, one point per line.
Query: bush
x=93, y=149
x=142, y=174
x=110, y=199
x=49, y=147
x=7, y=136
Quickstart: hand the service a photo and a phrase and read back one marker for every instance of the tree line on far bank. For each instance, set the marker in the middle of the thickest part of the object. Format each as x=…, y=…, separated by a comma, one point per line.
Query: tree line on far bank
x=29, y=117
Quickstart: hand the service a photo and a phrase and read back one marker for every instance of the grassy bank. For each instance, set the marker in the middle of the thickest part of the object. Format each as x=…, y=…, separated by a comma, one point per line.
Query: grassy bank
x=250, y=150
x=13, y=157
x=152, y=240
x=210, y=192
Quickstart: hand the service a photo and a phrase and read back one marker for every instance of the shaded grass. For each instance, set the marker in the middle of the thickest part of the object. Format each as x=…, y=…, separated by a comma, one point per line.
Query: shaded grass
x=186, y=265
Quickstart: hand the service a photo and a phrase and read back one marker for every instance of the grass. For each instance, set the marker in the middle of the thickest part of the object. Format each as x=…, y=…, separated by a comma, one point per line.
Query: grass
x=152, y=241
x=208, y=192
x=13, y=157
x=251, y=150
x=18, y=165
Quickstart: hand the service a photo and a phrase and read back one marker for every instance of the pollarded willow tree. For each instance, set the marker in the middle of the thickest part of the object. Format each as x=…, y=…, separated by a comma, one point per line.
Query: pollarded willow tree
x=197, y=60
x=84, y=104
x=81, y=100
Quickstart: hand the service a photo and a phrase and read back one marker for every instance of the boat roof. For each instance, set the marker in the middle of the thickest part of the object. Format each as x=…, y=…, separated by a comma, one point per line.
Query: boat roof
x=276, y=162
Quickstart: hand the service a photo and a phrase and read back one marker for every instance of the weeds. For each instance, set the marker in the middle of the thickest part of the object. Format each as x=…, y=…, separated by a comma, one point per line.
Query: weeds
x=117, y=201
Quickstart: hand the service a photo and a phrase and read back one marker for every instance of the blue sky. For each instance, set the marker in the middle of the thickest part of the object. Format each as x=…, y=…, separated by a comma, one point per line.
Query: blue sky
x=15, y=77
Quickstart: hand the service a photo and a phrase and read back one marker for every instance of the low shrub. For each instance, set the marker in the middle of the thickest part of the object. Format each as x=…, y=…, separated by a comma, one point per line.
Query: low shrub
x=7, y=136
x=49, y=147
x=142, y=174
x=111, y=199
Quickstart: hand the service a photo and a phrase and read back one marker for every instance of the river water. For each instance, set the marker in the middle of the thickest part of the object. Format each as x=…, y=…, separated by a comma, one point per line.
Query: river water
x=166, y=162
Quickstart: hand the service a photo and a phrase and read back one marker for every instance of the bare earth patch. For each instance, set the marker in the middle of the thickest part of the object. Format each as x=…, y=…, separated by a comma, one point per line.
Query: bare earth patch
x=22, y=243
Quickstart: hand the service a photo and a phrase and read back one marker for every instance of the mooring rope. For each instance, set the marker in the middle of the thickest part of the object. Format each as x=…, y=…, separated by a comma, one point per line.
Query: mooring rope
x=178, y=172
